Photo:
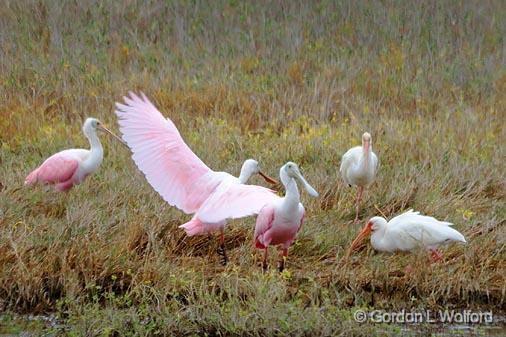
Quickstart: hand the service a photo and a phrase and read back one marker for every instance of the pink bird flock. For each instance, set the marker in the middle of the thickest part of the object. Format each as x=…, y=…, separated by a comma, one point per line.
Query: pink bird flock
x=213, y=198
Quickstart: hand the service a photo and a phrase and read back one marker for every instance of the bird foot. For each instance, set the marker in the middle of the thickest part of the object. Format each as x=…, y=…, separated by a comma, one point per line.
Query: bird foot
x=281, y=265
x=222, y=252
x=265, y=267
x=436, y=255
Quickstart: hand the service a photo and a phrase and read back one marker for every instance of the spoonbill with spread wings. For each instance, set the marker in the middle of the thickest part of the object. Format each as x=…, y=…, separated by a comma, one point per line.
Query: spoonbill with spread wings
x=181, y=178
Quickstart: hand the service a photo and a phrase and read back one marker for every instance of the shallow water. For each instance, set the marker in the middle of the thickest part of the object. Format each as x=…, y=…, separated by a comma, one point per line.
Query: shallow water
x=33, y=325
x=461, y=330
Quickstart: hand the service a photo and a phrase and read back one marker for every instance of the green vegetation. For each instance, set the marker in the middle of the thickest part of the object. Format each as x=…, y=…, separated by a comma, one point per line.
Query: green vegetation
x=275, y=81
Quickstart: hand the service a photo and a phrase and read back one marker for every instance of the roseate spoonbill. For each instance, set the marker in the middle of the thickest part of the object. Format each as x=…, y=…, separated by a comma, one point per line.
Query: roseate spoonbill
x=359, y=166
x=196, y=227
x=70, y=167
x=406, y=232
x=181, y=178
x=279, y=221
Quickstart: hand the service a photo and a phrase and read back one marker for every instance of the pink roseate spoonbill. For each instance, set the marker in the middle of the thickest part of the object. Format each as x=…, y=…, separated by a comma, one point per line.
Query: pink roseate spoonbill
x=181, y=178
x=223, y=195
x=70, y=167
x=358, y=167
x=406, y=232
x=279, y=221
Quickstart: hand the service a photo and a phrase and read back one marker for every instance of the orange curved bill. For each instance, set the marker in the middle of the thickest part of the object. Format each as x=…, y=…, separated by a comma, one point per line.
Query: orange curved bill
x=103, y=128
x=360, y=237
x=267, y=178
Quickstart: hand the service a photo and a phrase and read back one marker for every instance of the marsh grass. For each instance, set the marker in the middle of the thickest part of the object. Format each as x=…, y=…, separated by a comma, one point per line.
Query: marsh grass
x=275, y=81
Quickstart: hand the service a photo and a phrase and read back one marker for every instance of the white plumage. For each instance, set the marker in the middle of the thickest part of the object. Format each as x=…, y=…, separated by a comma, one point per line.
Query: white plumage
x=409, y=231
x=359, y=166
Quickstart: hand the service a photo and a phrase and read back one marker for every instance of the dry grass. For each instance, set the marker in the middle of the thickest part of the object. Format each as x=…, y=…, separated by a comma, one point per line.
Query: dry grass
x=275, y=81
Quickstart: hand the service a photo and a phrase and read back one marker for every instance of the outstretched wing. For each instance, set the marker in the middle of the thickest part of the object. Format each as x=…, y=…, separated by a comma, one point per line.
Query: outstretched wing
x=232, y=200
x=160, y=153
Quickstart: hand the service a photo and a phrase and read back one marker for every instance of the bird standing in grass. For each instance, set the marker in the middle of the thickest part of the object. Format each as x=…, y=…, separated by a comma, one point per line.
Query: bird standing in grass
x=358, y=168
x=70, y=167
x=196, y=227
x=181, y=178
x=406, y=232
x=279, y=221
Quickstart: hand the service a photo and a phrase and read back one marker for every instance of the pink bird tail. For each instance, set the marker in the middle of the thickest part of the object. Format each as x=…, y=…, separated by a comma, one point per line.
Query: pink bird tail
x=32, y=177
x=194, y=227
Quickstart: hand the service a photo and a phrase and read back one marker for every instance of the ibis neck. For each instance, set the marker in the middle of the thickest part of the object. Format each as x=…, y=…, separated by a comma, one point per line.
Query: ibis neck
x=379, y=241
x=366, y=154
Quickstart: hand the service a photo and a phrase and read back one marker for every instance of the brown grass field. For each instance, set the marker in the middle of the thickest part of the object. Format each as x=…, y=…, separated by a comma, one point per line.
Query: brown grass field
x=270, y=80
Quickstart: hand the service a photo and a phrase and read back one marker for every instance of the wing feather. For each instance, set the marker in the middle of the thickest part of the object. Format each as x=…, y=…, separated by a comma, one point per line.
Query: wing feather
x=416, y=229
x=233, y=200
x=56, y=169
x=263, y=224
x=160, y=153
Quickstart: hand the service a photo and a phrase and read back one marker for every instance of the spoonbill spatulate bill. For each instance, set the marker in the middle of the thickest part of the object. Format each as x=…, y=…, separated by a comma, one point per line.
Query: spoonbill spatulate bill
x=407, y=232
x=71, y=167
x=279, y=221
x=359, y=166
x=181, y=178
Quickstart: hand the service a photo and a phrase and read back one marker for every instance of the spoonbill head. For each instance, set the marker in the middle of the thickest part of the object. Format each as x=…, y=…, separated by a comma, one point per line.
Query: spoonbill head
x=291, y=171
x=70, y=167
x=407, y=232
x=91, y=125
x=251, y=167
x=279, y=220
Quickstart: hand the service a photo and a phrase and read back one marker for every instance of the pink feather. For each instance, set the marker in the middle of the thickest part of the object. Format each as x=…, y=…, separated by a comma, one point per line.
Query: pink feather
x=169, y=165
x=233, y=200
x=263, y=224
x=55, y=170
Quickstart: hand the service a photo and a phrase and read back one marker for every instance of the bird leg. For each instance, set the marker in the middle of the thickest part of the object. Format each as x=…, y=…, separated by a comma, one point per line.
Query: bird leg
x=359, y=199
x=264, y=262
x=221, y=249
x=281, y=263
x=436, y=255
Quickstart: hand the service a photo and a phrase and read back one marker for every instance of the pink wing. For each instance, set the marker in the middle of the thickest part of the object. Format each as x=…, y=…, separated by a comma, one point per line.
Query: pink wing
x=233, y=200
x=56, y=169
x=161, y=154
x=264, y=223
